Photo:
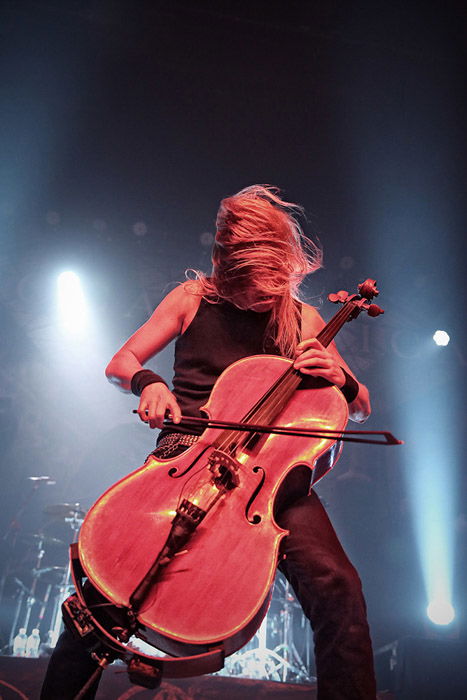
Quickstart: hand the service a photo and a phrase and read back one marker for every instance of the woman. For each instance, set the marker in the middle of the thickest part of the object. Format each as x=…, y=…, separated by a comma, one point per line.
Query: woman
x=249, y=306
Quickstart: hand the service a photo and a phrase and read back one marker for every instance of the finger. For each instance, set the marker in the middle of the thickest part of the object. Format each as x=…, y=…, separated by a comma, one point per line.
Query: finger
x=175, y=412
x=152, y=413
x=161, y=408
x=335, y=375
x=308, y=343
x=313, y=361
x=314, y=371
x=152, y=418
x=318, y=372
x=313, y=354
x=143, y=411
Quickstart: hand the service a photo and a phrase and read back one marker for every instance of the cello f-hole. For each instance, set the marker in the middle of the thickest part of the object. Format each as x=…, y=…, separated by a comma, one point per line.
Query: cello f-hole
x=255, y=519
x=173, y=470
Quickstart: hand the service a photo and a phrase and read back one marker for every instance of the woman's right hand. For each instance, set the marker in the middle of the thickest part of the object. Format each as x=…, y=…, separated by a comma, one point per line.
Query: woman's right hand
x=156, y=400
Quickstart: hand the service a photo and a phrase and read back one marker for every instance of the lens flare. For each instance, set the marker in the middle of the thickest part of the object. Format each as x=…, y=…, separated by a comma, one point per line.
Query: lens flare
x=71, y=302
x=441, y=338
x=440, y=612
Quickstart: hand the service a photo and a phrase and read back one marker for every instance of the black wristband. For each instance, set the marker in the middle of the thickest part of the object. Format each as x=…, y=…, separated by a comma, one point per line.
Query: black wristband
x=142, y=379
x=350, y=388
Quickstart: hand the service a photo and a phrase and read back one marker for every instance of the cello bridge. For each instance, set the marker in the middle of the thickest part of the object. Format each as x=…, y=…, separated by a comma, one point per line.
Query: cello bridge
x=224, y=469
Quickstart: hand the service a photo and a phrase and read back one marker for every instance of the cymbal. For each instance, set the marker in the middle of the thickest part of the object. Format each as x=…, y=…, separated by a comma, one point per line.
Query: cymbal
x=50, y=570
x=21, y=585
x=41, y=539
x=65, y=510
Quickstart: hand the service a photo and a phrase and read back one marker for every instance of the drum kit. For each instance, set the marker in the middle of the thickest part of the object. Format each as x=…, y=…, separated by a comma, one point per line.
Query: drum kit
x=37, y=575
x=274, y=653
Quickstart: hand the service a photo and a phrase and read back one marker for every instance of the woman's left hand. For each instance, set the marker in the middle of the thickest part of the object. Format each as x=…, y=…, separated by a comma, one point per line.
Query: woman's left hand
x=314, y=359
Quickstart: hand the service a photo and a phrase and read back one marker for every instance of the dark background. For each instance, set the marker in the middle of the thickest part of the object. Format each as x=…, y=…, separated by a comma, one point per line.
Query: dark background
x=122, y=126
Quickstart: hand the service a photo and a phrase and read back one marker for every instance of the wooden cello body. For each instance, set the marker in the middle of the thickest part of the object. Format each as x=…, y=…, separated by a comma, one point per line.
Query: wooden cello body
x=215, y=590
x=188, y=547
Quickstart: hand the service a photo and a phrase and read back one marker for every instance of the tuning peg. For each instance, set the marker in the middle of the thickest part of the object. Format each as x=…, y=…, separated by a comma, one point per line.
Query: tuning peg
x=374, y=310
x=339, y=298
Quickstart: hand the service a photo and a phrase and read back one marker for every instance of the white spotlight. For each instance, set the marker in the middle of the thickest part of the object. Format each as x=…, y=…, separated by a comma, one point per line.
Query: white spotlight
x=441, y=338
x=71, y=302
x=440, y=612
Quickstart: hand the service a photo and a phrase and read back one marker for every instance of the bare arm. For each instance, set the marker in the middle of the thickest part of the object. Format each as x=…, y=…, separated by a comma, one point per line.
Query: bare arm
x=316, y=360
x=168, y=320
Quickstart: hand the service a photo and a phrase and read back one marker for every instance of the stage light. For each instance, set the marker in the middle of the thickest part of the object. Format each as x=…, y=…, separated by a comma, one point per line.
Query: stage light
x=441, y=338
x=440, y=612
x=432, y=463
x=71, y=302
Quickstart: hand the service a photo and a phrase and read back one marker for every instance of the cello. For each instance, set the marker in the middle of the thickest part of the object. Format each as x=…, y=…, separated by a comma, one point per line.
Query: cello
x=185, y=549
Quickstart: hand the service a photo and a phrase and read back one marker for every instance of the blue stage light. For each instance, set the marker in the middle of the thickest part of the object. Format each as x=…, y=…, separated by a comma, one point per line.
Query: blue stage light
x=440, y=612
x=71, y=302
x=431, y=468
x=441, y=338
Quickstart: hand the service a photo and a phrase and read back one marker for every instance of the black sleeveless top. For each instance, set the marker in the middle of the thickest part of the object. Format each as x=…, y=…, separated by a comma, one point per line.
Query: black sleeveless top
x=218, y=335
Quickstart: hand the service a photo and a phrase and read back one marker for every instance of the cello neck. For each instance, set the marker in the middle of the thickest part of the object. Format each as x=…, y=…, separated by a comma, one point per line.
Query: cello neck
x=274, y=400
x=277, y=397
x=348, y=311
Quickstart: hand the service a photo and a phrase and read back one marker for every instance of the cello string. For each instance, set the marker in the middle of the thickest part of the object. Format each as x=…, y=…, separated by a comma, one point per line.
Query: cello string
x=272, y=404
x=276, y=397
x=254, y=411
x=336, y=323
x=283, y=388
x=259, y=410
x=274, y=400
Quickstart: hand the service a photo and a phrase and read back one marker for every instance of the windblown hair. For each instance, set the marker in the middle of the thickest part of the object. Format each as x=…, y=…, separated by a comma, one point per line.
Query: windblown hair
x=260, y=246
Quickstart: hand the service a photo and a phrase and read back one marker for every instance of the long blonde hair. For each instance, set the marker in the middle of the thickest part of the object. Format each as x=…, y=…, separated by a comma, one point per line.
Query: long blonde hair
x=260, y=245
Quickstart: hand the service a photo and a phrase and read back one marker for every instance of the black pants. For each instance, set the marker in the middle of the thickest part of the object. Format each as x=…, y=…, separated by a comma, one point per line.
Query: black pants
x=329, y=591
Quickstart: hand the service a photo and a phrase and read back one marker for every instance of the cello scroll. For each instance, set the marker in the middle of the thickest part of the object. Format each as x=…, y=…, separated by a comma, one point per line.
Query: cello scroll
x=367, y=291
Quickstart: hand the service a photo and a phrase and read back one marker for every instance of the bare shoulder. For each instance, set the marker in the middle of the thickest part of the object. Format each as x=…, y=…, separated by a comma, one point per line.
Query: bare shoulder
x=182, y=302
x=312, y=322
x=183, y=297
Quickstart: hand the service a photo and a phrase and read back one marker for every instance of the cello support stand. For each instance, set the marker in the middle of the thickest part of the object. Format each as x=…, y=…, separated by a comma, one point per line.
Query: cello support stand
x=107, y=646
x=103, y=662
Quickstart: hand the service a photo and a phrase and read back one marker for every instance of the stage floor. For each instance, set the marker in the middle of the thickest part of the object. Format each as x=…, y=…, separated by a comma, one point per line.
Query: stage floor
x=22, y=678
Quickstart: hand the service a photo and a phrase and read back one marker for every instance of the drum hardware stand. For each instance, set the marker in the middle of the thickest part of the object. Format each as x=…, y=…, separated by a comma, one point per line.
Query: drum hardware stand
x=266, y=663
x=293, y=662
x=31, y=594
x=103, y=661
x=105, y=647
x=10, y=536
x=66, y=584
x=36, y=572
x=23, y=590
x=43, y=607
x=276, y=664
